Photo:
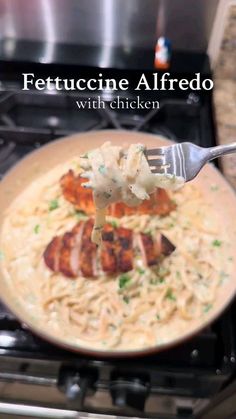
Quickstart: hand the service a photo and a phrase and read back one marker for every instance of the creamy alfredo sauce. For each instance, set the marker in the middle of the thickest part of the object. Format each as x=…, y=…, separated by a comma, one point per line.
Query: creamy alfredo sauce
x=119, y=175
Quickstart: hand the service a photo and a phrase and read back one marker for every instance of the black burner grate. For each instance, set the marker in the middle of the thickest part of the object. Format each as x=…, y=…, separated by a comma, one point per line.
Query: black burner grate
x=29, y=119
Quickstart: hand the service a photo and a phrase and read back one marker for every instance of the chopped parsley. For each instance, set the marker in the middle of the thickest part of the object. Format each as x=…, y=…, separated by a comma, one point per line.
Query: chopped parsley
x=207, y=308
x=37, y=228
x=54, y=204
x=102, y=169
x=148, y=232
x=171, y=225
x=141, y=148
x=1, y=255
x=216, y=243
x=141, y=271
x=124, y=281
x=170, y=295
x=156, y=281
x=113, y=223
x=158, y=317
x=126, y=299
x=230, y=258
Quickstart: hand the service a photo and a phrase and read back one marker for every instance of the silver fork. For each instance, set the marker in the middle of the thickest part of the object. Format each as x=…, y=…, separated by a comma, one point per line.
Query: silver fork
x=184, y=159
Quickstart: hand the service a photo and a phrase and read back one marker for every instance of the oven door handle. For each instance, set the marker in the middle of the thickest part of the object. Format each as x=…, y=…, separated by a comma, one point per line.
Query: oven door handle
x=16, y=410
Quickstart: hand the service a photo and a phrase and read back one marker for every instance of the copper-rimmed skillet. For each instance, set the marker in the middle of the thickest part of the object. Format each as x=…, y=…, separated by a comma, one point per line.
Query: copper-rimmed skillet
x=39, y=162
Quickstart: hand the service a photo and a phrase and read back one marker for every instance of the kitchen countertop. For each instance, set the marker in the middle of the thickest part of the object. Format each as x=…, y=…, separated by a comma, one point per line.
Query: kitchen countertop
x=225, y=113
x=224, y=96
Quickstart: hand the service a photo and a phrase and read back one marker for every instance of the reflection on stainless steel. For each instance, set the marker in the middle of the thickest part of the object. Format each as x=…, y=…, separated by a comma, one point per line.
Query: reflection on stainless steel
x=49, y=26
x=108, y=32
x=108, y=23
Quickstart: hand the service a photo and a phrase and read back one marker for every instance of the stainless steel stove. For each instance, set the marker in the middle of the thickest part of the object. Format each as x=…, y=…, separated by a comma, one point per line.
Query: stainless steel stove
x=40, y=380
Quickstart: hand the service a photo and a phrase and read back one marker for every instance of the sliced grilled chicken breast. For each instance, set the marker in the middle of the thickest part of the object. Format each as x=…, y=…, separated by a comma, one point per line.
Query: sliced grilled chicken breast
x=52, y=254
x=75, y=254
x=108, y=250
x=73, y=191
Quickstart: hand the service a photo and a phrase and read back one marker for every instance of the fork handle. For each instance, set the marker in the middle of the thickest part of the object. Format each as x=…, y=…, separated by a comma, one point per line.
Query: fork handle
x=220, y=150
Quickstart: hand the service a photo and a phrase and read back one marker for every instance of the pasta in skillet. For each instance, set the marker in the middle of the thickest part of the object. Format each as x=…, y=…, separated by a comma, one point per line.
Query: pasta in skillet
x=142, y=308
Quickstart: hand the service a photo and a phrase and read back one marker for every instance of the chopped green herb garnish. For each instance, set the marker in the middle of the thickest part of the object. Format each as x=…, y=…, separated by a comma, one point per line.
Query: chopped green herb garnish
x=230, y=258
x=54, y=204
x=36, y=229
x=156, y=281
x=207, y=308
x=171, y=225
x=1, y=255
x=216, y=243
x=148, y=232
x=170, y=295
x=126, y=299
x=141, y=271
x=158, y=317
x=141, y=148
x=124, y=280
x=113, y=223
x=102, y=169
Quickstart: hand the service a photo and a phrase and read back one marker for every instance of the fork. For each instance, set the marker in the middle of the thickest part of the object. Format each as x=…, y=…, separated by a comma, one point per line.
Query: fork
x=184, y=159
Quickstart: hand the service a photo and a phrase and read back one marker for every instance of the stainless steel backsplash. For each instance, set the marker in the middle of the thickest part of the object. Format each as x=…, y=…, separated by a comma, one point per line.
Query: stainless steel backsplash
x=126, y=23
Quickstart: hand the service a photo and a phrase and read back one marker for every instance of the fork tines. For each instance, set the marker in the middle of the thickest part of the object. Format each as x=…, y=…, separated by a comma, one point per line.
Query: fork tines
x=157, y=163
x=155, y=151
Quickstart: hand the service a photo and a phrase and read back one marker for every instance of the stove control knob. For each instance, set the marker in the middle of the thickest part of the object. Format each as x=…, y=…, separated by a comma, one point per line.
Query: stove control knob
x=76, y=384
x=129, y=393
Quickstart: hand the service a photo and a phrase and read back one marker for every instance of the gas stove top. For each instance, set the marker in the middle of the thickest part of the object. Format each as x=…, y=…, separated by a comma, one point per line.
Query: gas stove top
x=29, y=119
x=55, y=383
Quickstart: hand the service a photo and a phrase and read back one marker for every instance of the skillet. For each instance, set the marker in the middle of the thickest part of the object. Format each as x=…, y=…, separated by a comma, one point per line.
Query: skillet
x=39, y=162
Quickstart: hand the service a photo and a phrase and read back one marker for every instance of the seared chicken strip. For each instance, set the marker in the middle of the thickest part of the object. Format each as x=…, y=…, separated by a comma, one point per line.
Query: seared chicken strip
x=74, y=254
x=73, y=191
x=108, y=250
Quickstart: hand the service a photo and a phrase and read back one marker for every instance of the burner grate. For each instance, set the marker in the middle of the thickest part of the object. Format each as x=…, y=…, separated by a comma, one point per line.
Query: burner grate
x=29, y=117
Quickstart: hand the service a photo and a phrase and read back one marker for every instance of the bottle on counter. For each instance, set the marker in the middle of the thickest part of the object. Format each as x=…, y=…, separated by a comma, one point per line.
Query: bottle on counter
x=162, y=54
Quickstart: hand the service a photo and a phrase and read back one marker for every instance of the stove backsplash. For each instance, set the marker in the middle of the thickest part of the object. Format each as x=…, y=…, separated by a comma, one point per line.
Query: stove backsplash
x=109, y=23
